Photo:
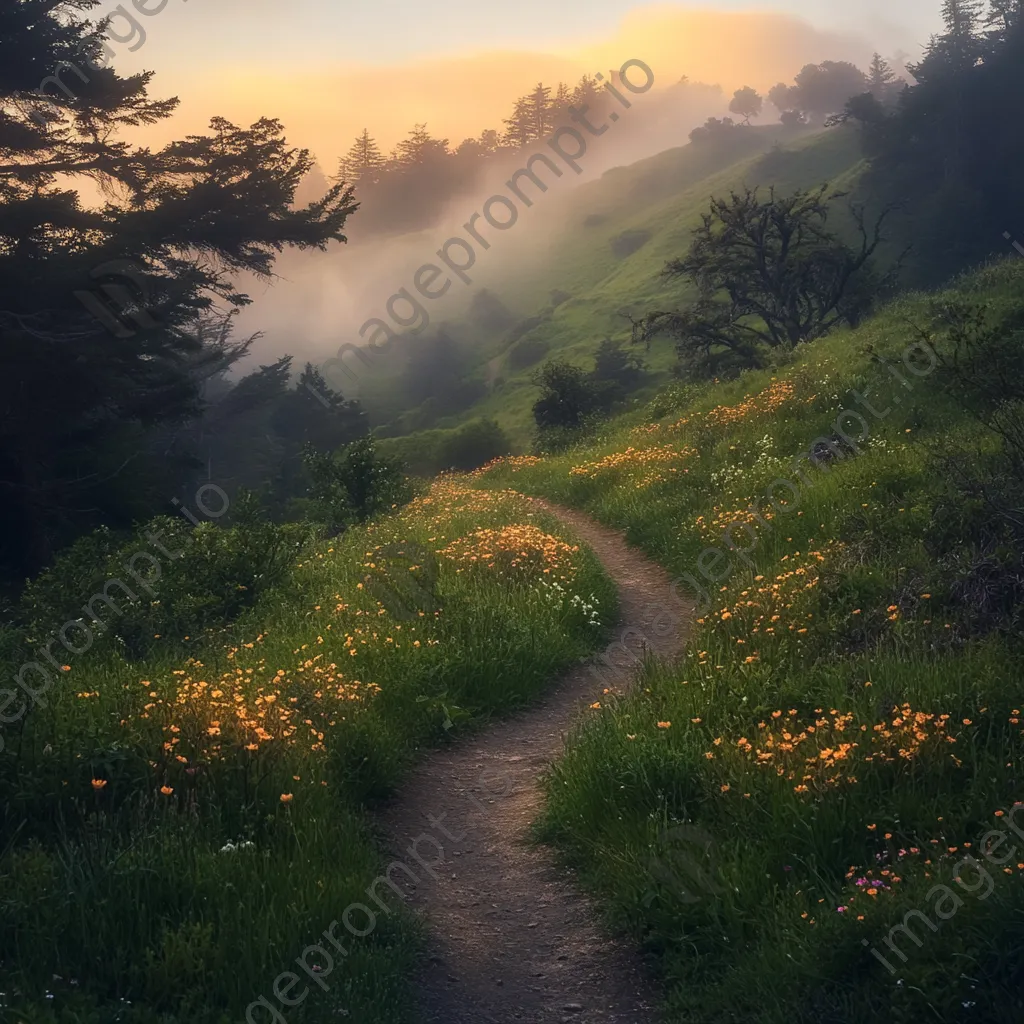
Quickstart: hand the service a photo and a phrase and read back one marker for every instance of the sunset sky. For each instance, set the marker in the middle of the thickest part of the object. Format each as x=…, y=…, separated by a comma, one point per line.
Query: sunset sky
x=328, y=69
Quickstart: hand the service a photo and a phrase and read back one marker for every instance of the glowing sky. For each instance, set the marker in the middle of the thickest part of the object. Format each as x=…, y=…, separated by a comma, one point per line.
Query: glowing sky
x=328, y=68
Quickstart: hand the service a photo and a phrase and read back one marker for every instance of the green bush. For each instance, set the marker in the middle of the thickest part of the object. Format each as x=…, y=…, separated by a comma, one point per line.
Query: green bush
x=473, y=445
x=354, y=484
x=166, y=582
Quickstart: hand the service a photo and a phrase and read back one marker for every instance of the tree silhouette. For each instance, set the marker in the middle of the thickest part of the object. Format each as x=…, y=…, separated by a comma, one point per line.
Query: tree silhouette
x=823, y=89
x=519, y=127
x=882, y=80
x=747, y=103
x=420, y=148
x=768, y=272
x=783, y=97
x=155, y=265
x=541, y=112
x=364, y=162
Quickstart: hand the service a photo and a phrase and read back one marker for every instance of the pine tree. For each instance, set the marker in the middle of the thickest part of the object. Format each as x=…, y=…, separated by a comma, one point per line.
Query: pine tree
x=364, y=162
x=959, y=48
x=587, y=92
x=519, y=127
x=561, y=103
x=541, y=113
x=420, y=148
x=880, y=76
x=1002, y=18
x=129, y=286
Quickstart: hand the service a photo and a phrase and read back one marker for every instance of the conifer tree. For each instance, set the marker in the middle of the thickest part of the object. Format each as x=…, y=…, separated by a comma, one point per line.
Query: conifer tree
x=560, y=104
x=109, y=312
x=541, y=112
x=587, y=91
x=519, y=127
x=420, y=148
x=364, y=162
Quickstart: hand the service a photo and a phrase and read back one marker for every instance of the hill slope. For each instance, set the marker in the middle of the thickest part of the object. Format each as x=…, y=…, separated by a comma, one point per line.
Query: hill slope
x=616, y=235
x=791, y=815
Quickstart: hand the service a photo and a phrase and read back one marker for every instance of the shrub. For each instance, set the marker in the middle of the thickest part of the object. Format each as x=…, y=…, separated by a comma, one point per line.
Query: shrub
x=629, y=242
x=354, y=484
x=473, y=445
x=167, y=581
x=568, y=396
x=527, y=352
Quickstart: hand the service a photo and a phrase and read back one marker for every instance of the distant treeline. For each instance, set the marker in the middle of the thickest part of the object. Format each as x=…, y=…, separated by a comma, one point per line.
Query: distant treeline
x=406, y=189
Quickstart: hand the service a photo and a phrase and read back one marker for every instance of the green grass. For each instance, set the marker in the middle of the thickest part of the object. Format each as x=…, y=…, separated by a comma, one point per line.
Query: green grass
x=846, y=610
x=122, y=899
x=664, y=196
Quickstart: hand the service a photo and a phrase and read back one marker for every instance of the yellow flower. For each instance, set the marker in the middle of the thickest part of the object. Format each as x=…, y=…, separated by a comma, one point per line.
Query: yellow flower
x=98, y=784
x=664, y=725
x=286, y=798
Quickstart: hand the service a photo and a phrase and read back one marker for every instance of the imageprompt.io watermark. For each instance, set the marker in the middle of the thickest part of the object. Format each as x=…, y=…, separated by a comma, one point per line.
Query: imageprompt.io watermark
x=406, y=313
x=34, y=694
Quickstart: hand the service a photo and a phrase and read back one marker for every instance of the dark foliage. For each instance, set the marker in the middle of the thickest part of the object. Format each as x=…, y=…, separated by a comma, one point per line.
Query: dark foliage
x=354, y=484
x=629, y=242
x=568, y=398
x=952, y=141
x=109, y=318
x=769, y=274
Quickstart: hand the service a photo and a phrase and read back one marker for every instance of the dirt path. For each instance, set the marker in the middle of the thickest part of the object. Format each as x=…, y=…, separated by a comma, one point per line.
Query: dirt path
x=511, y=938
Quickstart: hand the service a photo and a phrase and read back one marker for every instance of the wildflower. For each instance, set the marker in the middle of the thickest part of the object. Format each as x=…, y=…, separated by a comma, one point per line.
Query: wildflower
x=167, y=790
x=664, y=725
x=286, y=798
x=98, y=784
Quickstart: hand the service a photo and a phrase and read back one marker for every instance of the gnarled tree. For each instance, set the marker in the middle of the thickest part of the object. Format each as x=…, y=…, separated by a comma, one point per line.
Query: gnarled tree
x=769, y=274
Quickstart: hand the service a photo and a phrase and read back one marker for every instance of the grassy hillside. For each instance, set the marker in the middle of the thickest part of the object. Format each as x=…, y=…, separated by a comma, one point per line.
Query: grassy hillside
x=179, y=830
x=653, y=205
x=791, y=818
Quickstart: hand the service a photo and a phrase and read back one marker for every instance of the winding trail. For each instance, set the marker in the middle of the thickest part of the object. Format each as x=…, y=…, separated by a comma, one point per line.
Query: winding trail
x=510, y=936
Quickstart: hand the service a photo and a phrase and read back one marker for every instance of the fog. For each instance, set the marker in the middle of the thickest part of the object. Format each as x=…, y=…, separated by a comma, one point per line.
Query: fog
x=320, y=300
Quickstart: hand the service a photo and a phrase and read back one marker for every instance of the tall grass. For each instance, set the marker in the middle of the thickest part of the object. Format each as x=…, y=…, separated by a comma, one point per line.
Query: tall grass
x=176, y=831
x=845, y=726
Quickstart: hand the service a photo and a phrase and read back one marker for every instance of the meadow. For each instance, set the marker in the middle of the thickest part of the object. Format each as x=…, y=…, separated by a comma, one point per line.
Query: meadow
x=179, y=826
x=815, y=815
